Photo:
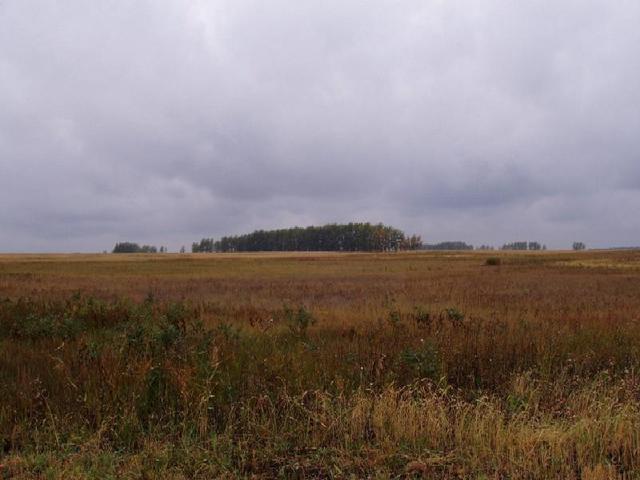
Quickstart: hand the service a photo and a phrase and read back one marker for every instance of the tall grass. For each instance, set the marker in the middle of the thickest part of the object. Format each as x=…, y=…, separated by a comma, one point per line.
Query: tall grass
x=155, y=388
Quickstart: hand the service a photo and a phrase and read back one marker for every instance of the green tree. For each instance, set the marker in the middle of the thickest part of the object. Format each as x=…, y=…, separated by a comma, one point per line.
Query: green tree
x=351, y=237
x=205, y=245
x=127, y=247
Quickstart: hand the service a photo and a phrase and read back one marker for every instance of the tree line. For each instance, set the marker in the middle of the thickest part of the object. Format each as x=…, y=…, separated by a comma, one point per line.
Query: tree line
x=351, y=237
x=132, y=247
x=524, y=246
x=448, y=246
x=206, y=245
x=531, y=246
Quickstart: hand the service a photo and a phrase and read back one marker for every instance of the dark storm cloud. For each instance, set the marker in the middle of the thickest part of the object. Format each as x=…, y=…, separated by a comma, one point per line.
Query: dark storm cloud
x=162, y=121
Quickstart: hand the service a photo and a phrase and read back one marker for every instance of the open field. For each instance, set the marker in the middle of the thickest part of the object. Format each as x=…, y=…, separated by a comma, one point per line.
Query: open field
x=418, y=365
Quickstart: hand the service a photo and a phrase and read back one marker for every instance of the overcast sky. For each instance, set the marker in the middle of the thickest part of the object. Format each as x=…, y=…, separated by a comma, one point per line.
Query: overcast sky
x=163, y=121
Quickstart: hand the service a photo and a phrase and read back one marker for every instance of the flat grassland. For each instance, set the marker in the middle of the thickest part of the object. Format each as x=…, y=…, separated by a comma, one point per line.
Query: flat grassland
x=309, y=365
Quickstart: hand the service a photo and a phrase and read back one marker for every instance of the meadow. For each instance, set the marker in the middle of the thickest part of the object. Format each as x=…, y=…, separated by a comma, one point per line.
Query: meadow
x=478, y=365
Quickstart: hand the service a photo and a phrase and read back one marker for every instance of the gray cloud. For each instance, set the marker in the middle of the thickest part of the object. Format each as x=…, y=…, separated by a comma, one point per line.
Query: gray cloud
x=163, y=121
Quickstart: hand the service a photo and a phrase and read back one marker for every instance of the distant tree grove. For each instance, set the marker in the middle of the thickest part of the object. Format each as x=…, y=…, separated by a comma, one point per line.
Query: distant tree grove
x=351, y=237
x=131, y=247
x=448, y=246
x=206, y=245
x=524, y=246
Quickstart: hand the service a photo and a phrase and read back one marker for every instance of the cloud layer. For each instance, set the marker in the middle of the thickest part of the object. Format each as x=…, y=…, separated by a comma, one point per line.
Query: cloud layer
x=164, y=121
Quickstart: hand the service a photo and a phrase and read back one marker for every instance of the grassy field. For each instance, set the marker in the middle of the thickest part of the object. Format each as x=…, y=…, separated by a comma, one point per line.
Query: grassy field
x=408, y=365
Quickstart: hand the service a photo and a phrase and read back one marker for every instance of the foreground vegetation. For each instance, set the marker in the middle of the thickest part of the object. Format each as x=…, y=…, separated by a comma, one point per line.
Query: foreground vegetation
x=414, y=365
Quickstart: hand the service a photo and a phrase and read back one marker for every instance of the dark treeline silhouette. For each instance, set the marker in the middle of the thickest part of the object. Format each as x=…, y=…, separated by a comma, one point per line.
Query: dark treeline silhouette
x=515, y=246
x=131, y=247
x=524, y=246
x=448, y=246
x=206, y=245
x=352, y=237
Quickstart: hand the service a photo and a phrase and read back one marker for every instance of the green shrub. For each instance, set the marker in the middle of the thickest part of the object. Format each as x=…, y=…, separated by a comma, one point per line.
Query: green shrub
x=298, y=320
x=421, y=317
x=454, y=315
x=394, y=318
x=424, y=361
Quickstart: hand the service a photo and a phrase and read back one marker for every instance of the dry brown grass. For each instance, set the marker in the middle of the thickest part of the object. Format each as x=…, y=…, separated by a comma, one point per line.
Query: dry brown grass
x=429, y=365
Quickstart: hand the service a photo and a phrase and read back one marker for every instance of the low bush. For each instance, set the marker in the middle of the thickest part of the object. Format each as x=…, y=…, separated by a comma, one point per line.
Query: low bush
x=493, y=261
